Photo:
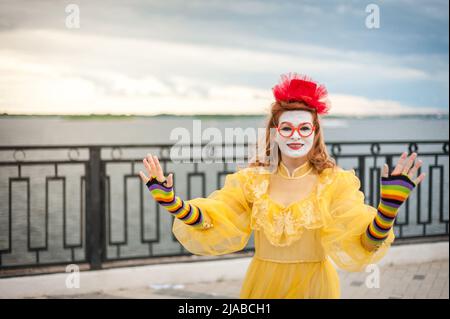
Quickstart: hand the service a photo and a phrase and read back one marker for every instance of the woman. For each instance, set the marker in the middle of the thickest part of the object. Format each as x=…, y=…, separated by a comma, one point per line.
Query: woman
x=305, y=214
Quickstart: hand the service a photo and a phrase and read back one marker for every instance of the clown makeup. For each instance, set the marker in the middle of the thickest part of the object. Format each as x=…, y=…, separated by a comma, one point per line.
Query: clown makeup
x=295, y=145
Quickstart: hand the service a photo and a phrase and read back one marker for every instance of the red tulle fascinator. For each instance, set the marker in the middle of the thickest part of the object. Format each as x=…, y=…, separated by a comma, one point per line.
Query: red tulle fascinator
x=298, y=87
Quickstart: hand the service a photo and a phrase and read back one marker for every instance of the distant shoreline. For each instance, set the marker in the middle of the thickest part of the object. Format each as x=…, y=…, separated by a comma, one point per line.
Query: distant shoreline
x=215, y=116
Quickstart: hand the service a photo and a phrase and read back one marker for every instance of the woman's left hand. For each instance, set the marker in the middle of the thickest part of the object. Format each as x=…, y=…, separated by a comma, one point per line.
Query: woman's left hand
x=404, y=167
x=154, y=170
x=395, y=189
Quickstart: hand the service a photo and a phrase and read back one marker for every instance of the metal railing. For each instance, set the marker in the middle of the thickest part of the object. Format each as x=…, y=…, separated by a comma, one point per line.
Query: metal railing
x=87, y=204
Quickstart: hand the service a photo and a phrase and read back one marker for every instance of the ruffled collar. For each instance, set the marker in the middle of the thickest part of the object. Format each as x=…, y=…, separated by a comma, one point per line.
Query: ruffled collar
x=283, y=225
x=298, y=172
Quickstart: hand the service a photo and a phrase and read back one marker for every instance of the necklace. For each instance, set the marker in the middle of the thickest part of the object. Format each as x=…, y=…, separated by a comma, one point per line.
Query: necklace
x=284, y=172
x=298, y=177
x=304, y=174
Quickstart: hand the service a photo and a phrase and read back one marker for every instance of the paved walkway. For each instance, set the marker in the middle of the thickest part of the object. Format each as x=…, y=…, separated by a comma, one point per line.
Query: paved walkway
x=427, y=280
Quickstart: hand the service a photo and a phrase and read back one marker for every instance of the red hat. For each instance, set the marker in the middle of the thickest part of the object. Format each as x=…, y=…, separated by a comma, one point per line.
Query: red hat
x=298, y=87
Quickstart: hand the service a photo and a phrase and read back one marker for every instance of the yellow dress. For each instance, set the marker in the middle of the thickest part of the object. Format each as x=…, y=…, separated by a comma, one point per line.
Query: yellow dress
x=302, y=222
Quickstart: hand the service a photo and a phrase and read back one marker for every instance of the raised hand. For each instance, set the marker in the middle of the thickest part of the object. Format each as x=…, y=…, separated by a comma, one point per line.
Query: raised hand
x=154, y=170
x=394, y=191
x=162, y=191
x=404, y=168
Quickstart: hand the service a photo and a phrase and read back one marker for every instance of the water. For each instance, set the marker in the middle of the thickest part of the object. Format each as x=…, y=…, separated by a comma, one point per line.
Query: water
x=147, y=130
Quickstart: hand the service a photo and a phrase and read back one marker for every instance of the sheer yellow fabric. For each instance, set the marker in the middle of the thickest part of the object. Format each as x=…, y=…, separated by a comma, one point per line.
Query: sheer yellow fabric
x=229, y=213
x=274, y=280
x=301, y=222
x=350, y=217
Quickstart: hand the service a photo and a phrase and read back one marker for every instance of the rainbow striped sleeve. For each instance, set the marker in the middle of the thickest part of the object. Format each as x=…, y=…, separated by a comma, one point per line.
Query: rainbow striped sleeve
x=395, y=190
x=165, y=196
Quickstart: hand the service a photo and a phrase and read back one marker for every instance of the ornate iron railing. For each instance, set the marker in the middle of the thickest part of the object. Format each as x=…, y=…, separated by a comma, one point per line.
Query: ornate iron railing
x=86, y=204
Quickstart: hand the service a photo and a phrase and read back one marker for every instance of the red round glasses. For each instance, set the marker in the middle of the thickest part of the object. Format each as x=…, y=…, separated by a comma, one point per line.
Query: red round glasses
x=287, y=129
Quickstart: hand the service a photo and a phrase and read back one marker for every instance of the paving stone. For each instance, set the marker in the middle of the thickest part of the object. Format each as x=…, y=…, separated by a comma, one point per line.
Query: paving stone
x=426, y=280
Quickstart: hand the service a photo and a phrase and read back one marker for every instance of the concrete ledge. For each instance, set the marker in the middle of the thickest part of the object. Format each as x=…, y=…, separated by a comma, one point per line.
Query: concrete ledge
x=416, y=253
x=181, y=273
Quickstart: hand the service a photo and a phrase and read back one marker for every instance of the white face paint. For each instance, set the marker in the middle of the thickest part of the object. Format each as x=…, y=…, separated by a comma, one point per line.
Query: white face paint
x=289, y=146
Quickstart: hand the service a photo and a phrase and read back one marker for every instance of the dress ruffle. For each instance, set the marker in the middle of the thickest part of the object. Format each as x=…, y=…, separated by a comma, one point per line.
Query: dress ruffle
x=229, y=212
x=335, y=208
x=349, y=218
x=283, y=225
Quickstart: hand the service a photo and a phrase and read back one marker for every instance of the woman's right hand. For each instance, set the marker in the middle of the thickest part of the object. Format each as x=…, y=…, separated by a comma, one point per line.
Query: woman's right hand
x=154, y=170
x=162, y=191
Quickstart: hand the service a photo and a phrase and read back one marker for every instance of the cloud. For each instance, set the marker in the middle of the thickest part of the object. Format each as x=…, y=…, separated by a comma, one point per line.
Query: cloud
x=148, y=96
x=359, y=106
x=173, y=58
x=86, y=68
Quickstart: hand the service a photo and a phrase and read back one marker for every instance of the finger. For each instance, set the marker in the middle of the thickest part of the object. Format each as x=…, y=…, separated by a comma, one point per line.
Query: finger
x=419, y=179
x=385, y=170
x=401, y=162
x=144, y=178
x=170, y=180
x=152, y=165
x=147, y=167
x=409, y=163
x=159, y=172
x=413, y=171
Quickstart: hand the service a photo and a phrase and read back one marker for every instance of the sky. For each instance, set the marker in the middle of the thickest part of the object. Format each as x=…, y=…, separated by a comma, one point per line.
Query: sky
x=220, y=57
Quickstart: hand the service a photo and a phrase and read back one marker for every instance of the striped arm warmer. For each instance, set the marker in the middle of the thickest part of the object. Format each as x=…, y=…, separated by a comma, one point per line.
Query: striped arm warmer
x=395, y=190
x=165, y=196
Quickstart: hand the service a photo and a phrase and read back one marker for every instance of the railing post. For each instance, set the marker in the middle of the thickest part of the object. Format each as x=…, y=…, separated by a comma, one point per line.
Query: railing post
x=362, y=171
x=94, y=212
